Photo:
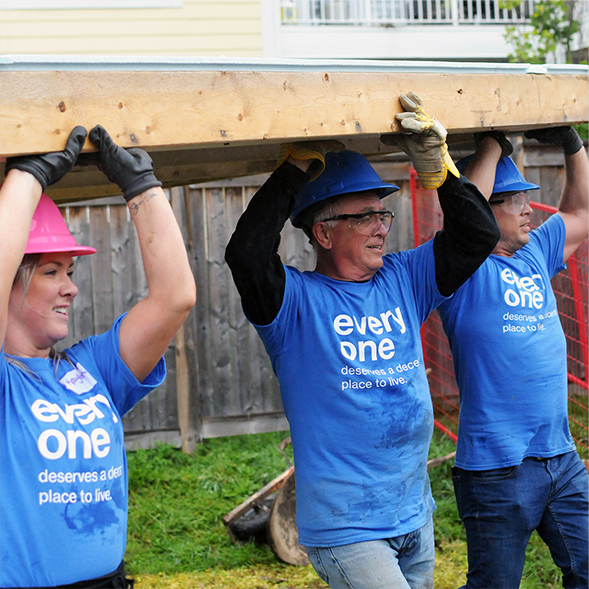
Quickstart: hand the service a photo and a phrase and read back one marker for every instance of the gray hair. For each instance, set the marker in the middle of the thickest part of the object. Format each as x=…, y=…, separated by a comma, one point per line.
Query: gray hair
x=323, y=210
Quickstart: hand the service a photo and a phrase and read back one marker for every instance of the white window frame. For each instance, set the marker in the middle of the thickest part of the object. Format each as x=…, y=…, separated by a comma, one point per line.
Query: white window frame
x=86, y=4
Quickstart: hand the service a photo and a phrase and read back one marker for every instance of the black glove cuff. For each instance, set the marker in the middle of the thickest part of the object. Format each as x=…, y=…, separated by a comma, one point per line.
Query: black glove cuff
x=26, y=165
x=499, y=136
x=140, y=184
x=565, y=137
x=572, y=143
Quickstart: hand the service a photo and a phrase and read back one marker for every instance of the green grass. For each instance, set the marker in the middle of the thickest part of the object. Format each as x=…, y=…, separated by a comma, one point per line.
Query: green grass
x=177, y=502
x=177, y=539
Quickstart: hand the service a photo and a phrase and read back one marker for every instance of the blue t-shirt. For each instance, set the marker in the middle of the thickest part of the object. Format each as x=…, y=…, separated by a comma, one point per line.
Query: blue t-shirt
x=63, y=470
x=509, y=354
x=349, y=360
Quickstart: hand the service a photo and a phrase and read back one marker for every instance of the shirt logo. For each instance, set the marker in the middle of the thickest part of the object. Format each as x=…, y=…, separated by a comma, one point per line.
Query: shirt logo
x=524, y=292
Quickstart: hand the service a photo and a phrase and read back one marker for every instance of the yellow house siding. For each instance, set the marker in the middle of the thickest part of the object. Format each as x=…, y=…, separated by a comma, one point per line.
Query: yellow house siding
x=199, y=28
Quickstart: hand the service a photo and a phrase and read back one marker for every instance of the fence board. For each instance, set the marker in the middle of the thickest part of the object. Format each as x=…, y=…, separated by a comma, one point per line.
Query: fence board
x=241, y=359
x=101, y=270
x=83, y=320
x=199, y=227
x=223, y=401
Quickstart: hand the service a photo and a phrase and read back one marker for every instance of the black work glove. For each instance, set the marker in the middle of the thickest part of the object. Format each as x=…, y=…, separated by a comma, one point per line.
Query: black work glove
x=131, y=169
x=499, y=136
x=565, y=137
x=51, y=167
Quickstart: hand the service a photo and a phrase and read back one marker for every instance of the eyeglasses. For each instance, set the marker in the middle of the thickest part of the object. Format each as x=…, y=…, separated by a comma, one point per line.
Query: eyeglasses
x=366, y=223
x=512, y=202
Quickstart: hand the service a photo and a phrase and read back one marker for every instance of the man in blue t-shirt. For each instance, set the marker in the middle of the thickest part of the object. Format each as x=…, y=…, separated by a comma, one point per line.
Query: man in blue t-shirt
x=344, y=342
x=517, y=469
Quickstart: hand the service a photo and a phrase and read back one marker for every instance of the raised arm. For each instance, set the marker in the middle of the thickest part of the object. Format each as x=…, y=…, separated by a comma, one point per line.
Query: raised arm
x=469, y=235
x=26, y=178
x=491, y=147
x=149, y=327
x=252, y=251
x=574, y=201
x=19, y=197
x=470, y=230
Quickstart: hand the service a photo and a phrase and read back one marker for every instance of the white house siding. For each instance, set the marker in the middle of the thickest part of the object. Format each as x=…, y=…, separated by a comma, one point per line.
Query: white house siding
x=195, y=28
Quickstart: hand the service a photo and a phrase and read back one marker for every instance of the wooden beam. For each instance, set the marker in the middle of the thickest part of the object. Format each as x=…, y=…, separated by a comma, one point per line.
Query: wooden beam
x=184, y=109
x=206, y=125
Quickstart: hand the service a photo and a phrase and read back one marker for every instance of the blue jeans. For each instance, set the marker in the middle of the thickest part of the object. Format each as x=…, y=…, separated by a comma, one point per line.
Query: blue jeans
x=501, y=508
x=404, y=562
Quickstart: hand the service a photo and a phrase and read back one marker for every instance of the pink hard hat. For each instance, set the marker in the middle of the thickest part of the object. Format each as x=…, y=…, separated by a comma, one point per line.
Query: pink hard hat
x=49, y=233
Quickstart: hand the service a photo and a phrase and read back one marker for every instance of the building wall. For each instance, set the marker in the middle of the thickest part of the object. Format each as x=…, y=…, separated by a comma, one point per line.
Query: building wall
x=480, y=43
x=168, y=28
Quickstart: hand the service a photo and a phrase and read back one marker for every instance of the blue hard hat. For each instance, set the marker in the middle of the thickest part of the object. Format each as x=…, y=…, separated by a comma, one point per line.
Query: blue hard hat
x=508, y=178
x=345, y=172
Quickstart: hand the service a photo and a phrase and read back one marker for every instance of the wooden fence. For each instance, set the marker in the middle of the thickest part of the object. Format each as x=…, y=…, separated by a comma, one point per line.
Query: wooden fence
x=220, y=381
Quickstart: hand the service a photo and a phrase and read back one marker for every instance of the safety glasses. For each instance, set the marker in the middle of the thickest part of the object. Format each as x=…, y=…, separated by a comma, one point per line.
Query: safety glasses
x=366, y=223
x=514, y=203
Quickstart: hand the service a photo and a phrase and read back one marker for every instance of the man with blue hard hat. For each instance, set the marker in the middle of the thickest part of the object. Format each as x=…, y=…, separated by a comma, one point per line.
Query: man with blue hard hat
x=344, y=343
x=517, y=469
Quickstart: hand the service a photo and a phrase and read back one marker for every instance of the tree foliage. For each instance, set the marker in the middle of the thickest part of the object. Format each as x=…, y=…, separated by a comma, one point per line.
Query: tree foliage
x=552, y=25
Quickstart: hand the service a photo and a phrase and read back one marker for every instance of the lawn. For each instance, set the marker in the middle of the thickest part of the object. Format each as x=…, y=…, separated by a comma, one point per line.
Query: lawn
x=177, y=539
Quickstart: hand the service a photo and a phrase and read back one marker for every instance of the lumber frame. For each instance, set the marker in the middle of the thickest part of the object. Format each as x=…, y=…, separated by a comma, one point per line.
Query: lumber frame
x=207, y=125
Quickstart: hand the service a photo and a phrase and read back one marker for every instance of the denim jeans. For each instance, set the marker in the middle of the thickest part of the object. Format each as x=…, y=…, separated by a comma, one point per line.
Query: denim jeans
x=501, y=508
x=404, y=562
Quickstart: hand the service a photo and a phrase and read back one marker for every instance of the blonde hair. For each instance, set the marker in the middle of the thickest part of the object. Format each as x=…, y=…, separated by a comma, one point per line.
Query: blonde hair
x=24, y=275
x=25, y=271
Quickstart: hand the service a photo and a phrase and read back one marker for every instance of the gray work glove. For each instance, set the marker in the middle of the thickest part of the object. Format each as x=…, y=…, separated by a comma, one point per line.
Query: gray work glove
x=425, y=144
x=51, y=167
x=565, y=137
x=131, y=169
x=499, y=136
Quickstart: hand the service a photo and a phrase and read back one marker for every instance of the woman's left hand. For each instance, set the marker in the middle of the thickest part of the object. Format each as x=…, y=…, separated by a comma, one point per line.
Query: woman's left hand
x=51, y=167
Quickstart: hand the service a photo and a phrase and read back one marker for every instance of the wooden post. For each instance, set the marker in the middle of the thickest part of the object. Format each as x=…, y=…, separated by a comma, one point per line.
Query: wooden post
x=189, y=414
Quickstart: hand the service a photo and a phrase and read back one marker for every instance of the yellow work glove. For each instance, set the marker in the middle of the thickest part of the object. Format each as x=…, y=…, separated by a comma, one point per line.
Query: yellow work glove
x=300, y=151
x=425, y=143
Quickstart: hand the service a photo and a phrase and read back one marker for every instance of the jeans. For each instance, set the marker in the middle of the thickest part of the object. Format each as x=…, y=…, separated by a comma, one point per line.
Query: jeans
x=404, y=562
x=501, y=508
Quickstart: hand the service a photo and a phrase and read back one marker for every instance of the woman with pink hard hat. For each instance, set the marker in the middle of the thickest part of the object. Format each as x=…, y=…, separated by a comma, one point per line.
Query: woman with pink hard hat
x=63, y=471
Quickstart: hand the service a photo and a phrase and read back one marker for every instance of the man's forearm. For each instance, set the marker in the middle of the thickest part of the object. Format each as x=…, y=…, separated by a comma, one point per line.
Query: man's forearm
x=470, y=233
x=252, y=251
